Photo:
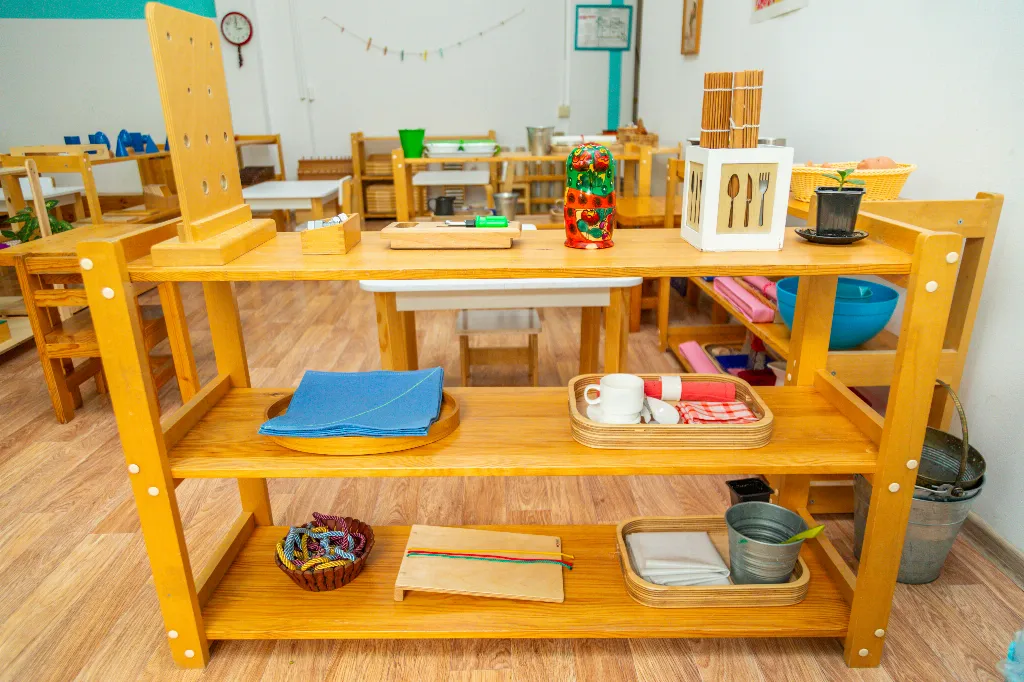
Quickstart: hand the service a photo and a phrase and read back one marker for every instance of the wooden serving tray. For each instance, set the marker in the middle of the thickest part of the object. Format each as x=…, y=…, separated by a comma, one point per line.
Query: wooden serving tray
x=447, y=422
x=671, y=436
x=668, y=597
x=412, y=235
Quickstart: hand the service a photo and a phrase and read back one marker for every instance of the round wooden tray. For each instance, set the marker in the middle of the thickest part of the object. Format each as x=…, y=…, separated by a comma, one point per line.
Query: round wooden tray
x=447, y=422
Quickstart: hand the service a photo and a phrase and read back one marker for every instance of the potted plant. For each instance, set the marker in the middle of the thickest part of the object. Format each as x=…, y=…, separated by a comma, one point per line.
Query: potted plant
x=838, y=206
x=29, y=229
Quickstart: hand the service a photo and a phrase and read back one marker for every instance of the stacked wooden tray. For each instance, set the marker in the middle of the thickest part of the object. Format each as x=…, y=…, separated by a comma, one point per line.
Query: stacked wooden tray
x=666, y=597
x=380, y=198
x=672, y=436
x=378, y=164
x=437, y=235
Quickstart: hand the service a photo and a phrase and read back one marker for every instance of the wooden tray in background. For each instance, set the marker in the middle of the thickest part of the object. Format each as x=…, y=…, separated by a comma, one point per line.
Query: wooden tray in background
x=412, y=235
x=672, y=436
x=447, y=422
x=668, y=597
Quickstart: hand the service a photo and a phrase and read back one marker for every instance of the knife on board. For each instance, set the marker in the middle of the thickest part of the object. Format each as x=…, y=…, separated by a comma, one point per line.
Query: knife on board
x=750, y=197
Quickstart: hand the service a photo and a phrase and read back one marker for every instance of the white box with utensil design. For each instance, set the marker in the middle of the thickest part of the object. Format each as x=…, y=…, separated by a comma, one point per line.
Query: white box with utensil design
x=736, y=199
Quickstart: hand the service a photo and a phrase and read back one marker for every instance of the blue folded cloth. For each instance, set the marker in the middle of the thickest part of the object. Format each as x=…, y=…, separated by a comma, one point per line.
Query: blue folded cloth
x=378, y=404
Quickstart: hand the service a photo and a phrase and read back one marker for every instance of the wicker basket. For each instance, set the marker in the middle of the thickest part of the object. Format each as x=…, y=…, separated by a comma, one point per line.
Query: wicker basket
x=882, y=184
x=629, y=135
x=380, y=198
x=378, y=164
x=331, y=578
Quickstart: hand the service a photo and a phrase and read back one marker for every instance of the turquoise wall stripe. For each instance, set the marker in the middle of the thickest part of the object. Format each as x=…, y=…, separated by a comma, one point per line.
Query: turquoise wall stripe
x=614, y=83
x=94, y=9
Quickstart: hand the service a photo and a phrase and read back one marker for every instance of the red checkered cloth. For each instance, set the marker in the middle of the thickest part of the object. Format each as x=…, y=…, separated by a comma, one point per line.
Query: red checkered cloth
x=703, y=412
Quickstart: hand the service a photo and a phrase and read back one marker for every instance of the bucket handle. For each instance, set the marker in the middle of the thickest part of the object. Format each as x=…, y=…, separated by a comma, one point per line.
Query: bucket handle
x=963, y=428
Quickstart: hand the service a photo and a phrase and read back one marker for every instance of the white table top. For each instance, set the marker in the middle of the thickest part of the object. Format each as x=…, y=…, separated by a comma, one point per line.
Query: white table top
x=53, y=192
x=291, y=189
x=438, y=178
x=433, y=285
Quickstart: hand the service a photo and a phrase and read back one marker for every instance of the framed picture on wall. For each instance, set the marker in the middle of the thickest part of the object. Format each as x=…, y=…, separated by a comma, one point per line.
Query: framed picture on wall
x=692, y=12
x=604, y=27
x=769, y=9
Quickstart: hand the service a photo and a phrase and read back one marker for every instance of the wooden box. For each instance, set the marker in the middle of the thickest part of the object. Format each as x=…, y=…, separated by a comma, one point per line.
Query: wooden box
x=333, y=239
x=717, y=215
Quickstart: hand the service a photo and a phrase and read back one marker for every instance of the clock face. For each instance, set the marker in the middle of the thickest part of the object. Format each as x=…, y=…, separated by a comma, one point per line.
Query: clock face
x=236, y=28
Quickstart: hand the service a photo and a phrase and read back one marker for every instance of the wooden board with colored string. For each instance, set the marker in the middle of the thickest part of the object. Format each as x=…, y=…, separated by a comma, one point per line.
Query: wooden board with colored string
x=482, y=563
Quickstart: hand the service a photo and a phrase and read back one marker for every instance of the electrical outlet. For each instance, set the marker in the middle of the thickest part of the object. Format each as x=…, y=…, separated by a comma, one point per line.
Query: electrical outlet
x=563, y=111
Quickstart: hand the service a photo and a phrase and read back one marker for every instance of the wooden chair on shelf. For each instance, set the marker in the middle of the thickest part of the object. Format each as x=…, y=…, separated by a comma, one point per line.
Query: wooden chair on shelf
x=51, y=285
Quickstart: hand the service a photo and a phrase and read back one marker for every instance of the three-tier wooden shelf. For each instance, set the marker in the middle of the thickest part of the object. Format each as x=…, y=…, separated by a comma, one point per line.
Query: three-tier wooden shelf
x=820, y=426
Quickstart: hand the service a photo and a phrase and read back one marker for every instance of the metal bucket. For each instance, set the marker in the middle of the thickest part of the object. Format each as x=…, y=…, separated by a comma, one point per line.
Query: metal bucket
x=505, y=204
x=538, y=139
x=755, y=531
x=946, y=459
x=935, y=520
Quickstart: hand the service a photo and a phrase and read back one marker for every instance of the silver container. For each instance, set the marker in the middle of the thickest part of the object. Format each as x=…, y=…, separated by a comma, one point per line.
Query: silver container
x=538, y=139
x=771, y=142
x=935, y=520
x=505, y=204
x=756, y=530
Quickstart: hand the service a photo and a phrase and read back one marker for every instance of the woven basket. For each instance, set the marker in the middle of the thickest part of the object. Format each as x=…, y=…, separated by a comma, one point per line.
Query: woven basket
x=629, y=135
x=378, y=164
x=882, y=184
x=331, y=578
x=381, y=199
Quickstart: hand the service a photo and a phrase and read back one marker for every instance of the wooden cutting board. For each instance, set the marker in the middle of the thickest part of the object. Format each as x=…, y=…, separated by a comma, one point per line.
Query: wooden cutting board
x=529, y=582
x=410, y=235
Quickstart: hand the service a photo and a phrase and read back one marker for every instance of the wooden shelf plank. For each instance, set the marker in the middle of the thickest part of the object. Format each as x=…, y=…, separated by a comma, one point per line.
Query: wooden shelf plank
x=255, y=600
x=653, y=252
x=810, y=436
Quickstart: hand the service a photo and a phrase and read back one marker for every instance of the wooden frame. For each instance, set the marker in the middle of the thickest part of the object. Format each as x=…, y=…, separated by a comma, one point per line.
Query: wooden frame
x=693, y=10
x=269, y=140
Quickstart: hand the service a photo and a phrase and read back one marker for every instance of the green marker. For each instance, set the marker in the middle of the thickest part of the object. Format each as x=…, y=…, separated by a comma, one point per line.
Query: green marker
x=480, y=221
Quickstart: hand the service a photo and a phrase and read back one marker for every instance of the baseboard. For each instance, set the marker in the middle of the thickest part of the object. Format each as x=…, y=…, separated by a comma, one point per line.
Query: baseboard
x=995, y=547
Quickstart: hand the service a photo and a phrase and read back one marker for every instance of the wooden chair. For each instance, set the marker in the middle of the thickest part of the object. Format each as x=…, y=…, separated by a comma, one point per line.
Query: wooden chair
x=60, y=340
x=472, y=323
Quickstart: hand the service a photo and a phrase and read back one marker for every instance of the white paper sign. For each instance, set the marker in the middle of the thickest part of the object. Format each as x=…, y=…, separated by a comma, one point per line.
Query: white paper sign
x=603, y=27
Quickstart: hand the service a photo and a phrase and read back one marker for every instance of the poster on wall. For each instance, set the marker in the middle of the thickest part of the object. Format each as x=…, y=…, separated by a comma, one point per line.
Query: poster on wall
x=692, y=11
x=769, y=9
x=604, y=27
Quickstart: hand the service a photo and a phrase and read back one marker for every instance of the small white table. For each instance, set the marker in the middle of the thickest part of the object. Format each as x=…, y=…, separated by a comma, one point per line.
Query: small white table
x=315, y=196
x=460, y=178
x=65, y=196
x=590, y=294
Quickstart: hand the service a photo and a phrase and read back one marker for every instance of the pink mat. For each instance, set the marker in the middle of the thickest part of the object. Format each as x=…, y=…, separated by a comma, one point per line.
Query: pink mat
x=697, y=358
x=745, y=302
x=762, y=284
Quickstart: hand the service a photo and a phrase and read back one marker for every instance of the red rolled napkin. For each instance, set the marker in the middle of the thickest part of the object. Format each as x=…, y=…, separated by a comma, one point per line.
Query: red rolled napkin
x=673, y=388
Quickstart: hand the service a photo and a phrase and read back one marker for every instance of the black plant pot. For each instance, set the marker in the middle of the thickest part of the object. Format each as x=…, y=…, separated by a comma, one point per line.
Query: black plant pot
x=749, y=490
x=837, y=209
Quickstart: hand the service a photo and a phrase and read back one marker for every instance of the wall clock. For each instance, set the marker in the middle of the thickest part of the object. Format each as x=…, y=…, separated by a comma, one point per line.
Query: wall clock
x=237, y=30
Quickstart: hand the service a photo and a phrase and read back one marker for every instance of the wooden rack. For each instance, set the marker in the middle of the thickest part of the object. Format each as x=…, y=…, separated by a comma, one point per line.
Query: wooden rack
x=871, y=364
x=362, y=178
x=821, y=428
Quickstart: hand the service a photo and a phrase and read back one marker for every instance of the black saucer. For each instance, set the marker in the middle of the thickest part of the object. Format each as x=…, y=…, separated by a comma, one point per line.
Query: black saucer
x=811, y=235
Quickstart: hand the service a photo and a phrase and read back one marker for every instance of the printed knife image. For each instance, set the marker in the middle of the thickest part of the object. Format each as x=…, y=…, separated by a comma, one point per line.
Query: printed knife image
x=750, y=197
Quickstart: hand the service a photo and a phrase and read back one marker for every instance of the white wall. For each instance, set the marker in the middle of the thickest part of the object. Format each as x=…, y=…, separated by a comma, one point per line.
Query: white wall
x=934, y=83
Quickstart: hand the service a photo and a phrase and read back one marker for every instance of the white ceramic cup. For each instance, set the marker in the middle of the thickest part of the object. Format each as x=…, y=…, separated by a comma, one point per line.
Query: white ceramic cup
x=621, y=397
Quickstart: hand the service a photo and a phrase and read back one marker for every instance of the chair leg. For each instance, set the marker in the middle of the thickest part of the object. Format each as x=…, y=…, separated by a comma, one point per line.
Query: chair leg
x=533, y=360
x=664, y=294
x=464, y=358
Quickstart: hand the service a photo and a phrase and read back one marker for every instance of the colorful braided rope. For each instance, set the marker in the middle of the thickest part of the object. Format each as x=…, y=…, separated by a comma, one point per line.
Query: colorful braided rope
x=488, y=557
x=315, y=546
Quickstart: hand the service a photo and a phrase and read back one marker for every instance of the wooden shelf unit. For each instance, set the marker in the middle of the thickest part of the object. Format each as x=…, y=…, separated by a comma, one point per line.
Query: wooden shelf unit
x=821, y=429
x=255, y=600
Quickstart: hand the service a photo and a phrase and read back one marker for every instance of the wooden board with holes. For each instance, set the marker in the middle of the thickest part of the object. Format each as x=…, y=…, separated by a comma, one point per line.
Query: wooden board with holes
x=527, y=582
x=410, y=235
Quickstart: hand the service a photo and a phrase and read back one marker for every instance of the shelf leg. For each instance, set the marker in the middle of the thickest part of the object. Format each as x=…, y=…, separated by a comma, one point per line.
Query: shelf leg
x=119, y=333
x=664, y=297
x=812, y=329
x=590, y=340
x=229, y=349
x=616, y=331
x=929, y=294
x=403, y=185
x=409, y=322
x=391, y=332
x=178, y=338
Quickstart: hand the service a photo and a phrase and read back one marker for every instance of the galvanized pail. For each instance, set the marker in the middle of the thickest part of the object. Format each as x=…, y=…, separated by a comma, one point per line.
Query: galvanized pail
x=756, y=530
x=538, y=139
x=505, y=204
x=935, y=520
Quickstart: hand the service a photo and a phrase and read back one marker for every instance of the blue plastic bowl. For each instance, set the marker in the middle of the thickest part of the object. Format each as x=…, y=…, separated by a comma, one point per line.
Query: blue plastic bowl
x=858, y=315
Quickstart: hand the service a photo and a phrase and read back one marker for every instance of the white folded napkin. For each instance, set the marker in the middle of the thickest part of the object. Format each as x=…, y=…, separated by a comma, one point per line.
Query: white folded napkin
x=677, y=558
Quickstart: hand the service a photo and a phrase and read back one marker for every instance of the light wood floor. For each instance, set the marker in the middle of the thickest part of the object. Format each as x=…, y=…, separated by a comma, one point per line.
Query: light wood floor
x=76, y=599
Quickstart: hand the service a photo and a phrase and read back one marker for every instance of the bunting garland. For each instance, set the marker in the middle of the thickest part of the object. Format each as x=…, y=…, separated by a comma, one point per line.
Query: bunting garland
x=368, y=43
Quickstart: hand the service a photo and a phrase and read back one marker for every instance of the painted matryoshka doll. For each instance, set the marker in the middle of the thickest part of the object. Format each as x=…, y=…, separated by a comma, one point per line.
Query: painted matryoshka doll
x=589, y=197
